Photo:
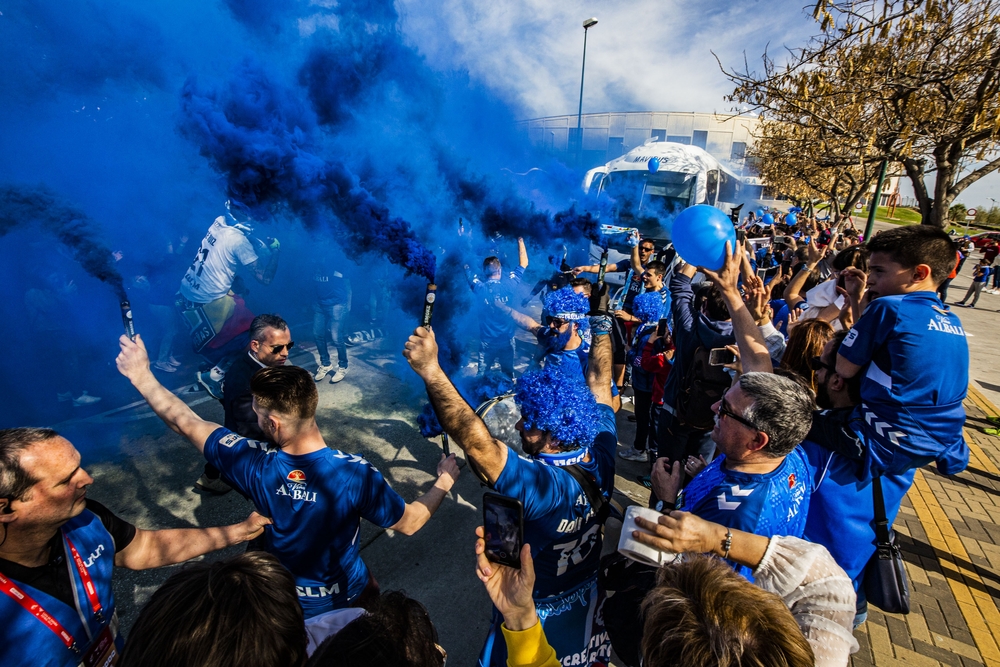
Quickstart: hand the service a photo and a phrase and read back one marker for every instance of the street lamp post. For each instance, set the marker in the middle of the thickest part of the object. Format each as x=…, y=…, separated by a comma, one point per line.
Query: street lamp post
x=587, y=25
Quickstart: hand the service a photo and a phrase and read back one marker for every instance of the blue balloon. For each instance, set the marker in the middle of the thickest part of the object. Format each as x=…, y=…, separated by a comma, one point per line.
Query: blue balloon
x=700, y=234
x=768, y=219
x=791, y=219
x=653, y=165
x=760, y=213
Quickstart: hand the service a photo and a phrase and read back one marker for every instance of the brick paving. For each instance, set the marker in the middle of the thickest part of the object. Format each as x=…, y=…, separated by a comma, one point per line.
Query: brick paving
x=949, y=533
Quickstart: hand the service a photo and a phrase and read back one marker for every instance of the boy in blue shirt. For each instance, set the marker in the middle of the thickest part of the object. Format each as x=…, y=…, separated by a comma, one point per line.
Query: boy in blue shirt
x=980, y=276
x=911, y=413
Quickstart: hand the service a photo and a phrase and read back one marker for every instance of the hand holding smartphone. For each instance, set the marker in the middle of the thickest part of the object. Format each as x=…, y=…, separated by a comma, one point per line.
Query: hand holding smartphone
x=720, y=356
x=503, y=529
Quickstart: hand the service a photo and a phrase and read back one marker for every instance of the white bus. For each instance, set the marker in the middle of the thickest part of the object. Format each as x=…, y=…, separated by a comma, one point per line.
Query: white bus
x=685, y=176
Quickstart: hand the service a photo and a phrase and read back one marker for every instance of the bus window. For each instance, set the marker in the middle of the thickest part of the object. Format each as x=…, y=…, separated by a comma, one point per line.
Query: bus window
x=729, y=188
x=712, y=187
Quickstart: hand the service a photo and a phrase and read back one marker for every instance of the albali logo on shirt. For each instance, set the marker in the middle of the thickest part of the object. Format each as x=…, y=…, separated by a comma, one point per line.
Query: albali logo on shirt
x=295, y=487
x=941, y=323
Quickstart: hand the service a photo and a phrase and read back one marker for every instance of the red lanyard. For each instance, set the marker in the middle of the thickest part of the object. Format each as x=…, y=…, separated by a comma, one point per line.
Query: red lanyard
x=8, y=587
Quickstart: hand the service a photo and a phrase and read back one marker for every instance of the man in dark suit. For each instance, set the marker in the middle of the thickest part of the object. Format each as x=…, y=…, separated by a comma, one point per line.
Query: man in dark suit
x=270, y=345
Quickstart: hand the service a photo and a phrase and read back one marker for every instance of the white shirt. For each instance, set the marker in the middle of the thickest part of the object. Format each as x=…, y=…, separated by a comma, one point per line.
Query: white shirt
x=818, y=592
x=820, y=297
x=223, y=250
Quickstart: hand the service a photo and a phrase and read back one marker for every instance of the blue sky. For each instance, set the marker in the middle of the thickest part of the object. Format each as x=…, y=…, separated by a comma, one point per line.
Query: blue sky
x=642, y=55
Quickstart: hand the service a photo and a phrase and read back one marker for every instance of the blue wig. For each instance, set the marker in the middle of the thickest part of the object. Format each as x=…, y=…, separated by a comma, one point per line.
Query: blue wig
x=647, y=306
x=559, y=403
x=567, y=304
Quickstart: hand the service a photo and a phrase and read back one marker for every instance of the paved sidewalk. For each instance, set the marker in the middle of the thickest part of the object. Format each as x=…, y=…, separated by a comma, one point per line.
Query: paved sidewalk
x=949, y=532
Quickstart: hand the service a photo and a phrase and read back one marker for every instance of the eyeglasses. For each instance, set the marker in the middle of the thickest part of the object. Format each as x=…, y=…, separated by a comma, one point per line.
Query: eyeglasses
x=725, y=411
x=816, y=363
x=276, y=349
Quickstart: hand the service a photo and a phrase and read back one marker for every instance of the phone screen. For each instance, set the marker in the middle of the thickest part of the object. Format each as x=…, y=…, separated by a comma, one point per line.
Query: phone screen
x=503, y=529
x=720, y=356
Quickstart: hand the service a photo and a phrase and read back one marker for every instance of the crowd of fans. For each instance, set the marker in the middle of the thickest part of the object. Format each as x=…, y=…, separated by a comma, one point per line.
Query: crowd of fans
x=771, y=396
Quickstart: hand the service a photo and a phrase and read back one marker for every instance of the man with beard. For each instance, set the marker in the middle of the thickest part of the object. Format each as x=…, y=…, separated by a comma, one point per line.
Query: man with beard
x=560, y=339
x=569, y=437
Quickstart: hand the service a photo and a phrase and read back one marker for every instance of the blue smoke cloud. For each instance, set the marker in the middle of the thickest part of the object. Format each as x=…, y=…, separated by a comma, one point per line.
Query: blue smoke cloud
x=147, y=117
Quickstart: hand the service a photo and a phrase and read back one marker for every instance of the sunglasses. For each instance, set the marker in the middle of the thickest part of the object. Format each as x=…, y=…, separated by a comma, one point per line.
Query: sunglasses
x=556, y=322
x=641, y=249
x=816, y=363
x=276, y=349
x=725, y=411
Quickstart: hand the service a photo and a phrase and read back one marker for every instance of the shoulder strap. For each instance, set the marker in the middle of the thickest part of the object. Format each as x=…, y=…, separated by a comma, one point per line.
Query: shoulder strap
x=589, y=485
x=881, y=523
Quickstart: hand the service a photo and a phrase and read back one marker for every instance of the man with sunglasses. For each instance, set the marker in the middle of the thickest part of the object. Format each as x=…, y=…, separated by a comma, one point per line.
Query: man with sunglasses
x=270, y=345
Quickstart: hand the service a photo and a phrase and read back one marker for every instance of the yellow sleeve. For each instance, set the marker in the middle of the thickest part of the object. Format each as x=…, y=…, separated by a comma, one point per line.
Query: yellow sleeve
x=529, y=648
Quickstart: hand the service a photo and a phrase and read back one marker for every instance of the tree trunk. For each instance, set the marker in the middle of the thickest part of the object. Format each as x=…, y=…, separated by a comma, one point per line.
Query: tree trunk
x=915, y=172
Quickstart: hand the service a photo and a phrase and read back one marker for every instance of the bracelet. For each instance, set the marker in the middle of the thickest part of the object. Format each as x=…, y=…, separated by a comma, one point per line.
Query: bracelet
x=727, y=543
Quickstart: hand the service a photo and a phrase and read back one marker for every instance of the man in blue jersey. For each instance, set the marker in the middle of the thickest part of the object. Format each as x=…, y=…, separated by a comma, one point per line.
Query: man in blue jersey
x=911, y=412
x=568, y=435
x=560, y=339
x=315, y=496
x=58, y=550
x=496, y=329
x=759, y=483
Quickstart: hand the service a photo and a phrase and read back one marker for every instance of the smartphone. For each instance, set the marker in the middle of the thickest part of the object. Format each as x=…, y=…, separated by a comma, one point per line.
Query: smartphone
x=661, y=328
x=720, y=356
x=503, y=528
x=842, y=281
x=782, y=239
x=741, y=236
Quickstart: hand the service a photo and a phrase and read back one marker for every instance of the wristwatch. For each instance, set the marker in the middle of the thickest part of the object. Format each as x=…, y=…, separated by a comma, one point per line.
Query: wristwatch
x=664, y=507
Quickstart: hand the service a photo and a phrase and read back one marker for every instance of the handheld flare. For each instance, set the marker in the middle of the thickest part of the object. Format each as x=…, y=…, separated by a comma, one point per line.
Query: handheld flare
x=429, y=297
x=604, y=267
x=127, y=319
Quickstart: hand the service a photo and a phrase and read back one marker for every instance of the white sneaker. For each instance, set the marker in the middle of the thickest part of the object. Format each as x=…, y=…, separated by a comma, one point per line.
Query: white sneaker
x=633, y=454
x=214, y=486
x=85, y=399
x=338, y=376
x=321, y=372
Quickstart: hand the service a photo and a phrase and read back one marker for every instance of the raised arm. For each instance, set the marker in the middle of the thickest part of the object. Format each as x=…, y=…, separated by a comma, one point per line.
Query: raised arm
x=753, y=350
x=156, y=548
x=526, y=322
x=422, y=509
x=456, y=416
x=793, y=293
x=522, y=253
x=133, y=363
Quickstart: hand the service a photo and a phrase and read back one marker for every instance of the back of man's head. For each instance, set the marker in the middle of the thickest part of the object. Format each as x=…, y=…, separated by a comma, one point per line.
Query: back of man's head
x=285, y=390
x=917, y=244
x=14, y=479
x=396, y=633
x=559, y=403
x=781, y=408
x=240, y=612
x=703, y=613
x=715, y=306
x=262, y=323
x=491, y=265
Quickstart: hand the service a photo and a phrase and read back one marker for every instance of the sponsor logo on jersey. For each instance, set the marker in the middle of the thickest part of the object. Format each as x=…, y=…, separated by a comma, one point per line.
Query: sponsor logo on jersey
x=229, y=439
x=791, y=481
x=94, y=556
x=295, y=487
x=944, y=325
x=317, y=591
x=297, y=476
x=851, y=337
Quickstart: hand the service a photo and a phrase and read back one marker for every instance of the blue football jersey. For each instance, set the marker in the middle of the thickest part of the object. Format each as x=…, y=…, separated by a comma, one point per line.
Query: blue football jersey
x=494, y=323
x=316, y=501
x=559, y=523
x=774, y=503
x=915, y=367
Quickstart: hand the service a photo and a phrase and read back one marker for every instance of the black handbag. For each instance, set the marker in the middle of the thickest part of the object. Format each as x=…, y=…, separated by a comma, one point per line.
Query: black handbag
x=886, y=584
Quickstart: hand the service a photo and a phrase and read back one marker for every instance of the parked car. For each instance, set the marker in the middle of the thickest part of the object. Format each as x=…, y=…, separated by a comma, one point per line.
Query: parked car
x=982, y=239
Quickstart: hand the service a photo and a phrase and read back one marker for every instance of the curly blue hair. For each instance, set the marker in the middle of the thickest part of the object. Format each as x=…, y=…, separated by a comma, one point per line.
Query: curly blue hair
x=647, y=306
x=565, y=300
x=559, y=403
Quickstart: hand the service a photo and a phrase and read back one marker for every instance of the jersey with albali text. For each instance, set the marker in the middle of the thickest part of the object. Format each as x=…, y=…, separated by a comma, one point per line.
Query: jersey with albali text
x=223, y=250
x=914, y=360
x=559, y=523
x=768, y=504
x=332, y=288
x=25, y=641
x=495, y=324
x=316, y=501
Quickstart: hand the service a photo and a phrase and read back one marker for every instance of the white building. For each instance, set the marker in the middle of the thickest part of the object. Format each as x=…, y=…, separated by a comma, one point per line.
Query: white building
x=607, y=136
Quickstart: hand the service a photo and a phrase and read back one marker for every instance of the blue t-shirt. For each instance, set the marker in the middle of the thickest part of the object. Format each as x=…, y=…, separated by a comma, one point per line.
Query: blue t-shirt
x=572, y=361
x=774, y=503
x=495, y=324
x=316, y=501
x=559, y=522
x=984, y=274
x=915, y=368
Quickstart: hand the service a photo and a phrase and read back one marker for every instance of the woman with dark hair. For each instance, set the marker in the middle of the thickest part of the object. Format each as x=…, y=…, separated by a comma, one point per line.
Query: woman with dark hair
x=805, y=342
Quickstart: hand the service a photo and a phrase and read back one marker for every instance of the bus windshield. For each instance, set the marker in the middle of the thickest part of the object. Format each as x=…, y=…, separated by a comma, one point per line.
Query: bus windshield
x=641, y=193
